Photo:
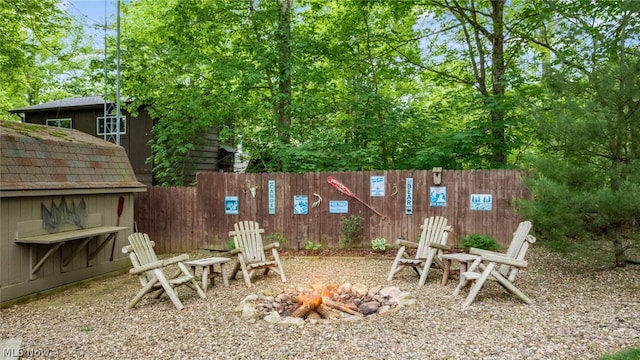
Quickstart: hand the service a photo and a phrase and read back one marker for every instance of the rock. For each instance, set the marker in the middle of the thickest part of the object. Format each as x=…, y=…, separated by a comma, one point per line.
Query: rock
x=359, y=290
x=368, y=308
x=273, y=317
x=250, y=298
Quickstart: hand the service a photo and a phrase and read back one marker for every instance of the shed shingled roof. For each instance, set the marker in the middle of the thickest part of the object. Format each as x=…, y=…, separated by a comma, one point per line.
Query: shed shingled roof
x=36, y=157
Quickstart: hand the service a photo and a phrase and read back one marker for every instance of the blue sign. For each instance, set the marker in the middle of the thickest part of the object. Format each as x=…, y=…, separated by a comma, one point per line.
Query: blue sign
x=231, y=205
x=408, y=196
x=438, y=196
x=482, y=202
x=377, y=186
x=300, y=204
x=272, y=197
x=338, y=206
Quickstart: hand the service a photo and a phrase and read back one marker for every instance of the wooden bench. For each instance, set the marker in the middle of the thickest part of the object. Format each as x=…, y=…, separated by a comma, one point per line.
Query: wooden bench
x=32, y=233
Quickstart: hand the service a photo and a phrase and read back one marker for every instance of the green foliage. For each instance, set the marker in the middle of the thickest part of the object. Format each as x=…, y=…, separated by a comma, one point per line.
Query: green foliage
x=310, y=245
x=276, y=237
x=350, y=228
x=43, y=54
x=479, y=241
x=231, y=244
x=85, y=328
x=379, y=244
x=627, y=354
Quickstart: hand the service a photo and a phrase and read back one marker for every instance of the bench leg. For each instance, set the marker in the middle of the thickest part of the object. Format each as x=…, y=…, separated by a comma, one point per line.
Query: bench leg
x=223, y=273
x=205, y=278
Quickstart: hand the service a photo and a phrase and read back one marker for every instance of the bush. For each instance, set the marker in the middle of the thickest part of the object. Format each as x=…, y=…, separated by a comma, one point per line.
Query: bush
x=312, y=246
x=479, y=241
x=350, y=230
x=379, y=244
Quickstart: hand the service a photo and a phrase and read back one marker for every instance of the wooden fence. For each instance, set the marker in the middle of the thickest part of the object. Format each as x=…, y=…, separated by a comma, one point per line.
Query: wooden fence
x=189, y=218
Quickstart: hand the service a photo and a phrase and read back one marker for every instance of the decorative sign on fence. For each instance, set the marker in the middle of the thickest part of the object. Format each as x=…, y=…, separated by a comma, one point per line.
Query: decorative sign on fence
x=338, y=206
x=408, y=196
x=300, y=204
x=481, y=202
x=272, y=196
x=377, y=185
x=231, y=205
x=438, y=196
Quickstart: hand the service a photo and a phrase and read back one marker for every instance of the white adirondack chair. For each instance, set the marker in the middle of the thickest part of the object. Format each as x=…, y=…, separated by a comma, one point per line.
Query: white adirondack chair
x=251, y=252
x=501, y=267
x=150, y=271
x=433, y=240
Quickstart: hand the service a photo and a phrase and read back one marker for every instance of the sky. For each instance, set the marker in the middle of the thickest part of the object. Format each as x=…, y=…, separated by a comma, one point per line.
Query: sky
x=92, y=14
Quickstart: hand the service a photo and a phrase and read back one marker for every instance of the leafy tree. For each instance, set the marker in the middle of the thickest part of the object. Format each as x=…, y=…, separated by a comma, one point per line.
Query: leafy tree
x=473, y=54
x=587, y=179
x=41, y=53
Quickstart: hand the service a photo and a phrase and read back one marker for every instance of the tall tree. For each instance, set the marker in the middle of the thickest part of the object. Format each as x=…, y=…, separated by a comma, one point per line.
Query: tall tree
x=588, y=125
x=41, y=53
x=468, y=43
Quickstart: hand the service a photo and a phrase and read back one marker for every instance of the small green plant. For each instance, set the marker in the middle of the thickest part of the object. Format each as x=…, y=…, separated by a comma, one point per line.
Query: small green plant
x=379, y=244
x=350, y=230
x=231, y=244
x=312, y=246
x=276, y=237
x=85, y=328
x=479, y=241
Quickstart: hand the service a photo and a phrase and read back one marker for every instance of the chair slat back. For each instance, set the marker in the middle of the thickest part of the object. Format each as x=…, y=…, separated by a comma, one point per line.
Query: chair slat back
x=143, y=248
x=434, y=230
x=518, y=248
x=248, y=236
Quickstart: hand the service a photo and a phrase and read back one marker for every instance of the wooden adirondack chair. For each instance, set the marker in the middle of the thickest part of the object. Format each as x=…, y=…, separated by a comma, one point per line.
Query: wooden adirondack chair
x=150, y=271
x=501, y=267
x=433, y=240
x=251, y=252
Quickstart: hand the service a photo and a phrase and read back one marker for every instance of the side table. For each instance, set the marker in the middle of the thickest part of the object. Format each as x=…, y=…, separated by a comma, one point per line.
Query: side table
x=208, y=271
x=462, y=258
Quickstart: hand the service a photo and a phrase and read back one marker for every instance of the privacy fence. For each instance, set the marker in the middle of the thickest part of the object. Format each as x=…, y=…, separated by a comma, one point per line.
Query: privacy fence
x=305, y=207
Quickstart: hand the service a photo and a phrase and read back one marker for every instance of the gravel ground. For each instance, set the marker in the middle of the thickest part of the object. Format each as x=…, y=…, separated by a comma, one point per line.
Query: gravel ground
x=578, y=313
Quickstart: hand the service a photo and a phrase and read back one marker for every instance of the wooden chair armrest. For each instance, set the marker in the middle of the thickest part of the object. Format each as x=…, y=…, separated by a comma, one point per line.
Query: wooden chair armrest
x=231, y=252
x=158, y=264
x=498, y=258
x=274, y=245
x=406, y=243
x=477, y=251
x=444, y=247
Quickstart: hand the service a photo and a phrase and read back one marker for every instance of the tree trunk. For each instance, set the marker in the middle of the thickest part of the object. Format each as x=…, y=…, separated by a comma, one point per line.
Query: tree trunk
x=498, y=150
x=283, y=37
x=618, y=250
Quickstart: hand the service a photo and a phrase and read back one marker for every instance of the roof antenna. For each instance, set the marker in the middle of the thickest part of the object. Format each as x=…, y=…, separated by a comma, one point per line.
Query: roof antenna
x=104, y=98
x=118, y=78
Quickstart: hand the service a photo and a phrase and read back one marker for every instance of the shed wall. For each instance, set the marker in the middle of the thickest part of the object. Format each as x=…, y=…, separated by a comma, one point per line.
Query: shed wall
x=16, y=259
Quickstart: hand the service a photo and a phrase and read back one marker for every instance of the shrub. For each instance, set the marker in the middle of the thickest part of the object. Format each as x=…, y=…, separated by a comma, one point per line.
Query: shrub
x=350, y=230
x=379, y=244
x=231, y=244
x=479, y=241
x=312, y=246
x=276, y=237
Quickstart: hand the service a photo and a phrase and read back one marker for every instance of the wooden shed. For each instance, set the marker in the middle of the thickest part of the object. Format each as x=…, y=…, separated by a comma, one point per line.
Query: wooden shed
x=66, y=208
x=87, y=115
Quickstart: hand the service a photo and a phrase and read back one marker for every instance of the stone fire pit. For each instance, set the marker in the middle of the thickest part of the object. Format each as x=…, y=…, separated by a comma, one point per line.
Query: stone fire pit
x=345, y=302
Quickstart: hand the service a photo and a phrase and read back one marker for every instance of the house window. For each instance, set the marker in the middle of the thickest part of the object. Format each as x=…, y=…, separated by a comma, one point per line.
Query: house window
x=107, y=126
x=63, y=123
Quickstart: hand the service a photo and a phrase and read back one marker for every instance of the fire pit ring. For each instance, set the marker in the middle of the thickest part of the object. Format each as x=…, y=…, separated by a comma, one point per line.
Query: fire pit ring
x=328, y=303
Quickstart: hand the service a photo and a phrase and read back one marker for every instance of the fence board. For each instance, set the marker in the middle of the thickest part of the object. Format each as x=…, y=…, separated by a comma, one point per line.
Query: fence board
x=183, y=219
